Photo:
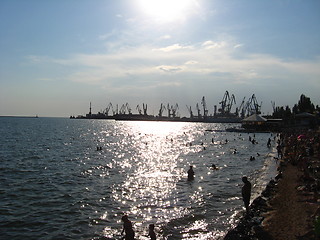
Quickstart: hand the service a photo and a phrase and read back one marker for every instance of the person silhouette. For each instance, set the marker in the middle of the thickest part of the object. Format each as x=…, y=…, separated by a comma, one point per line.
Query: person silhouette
x=246, y=192
x=127, y=228
x=152, y=234
x=190, y=174
x=269, y=143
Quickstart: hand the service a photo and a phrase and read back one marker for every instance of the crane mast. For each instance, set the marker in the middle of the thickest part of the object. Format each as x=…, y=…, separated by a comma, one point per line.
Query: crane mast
x=204, y=104
x=145, y=108
x=190, y=111
x=162, y=108
x=198, y=110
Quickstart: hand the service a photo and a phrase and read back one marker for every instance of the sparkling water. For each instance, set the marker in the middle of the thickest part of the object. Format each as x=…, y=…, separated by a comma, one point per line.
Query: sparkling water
x=74, y=179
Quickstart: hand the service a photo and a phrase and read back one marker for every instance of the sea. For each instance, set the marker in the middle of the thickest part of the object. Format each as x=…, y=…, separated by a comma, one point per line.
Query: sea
x=64, y=178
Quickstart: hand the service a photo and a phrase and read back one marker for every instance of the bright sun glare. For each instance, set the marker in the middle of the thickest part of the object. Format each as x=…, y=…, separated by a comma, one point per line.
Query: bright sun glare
x=166, y=10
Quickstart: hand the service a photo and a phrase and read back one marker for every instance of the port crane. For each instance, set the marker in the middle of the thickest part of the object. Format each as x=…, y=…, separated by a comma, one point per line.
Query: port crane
x=139, y=109
x=114, y=111
x=198, y=110
x=252, y=106
x=226, y=103
x=230, y=103
x=241, y=109
x=145, y=108
x=190, y=111
x=204, y=104
x=124, y=108
x=172, y=110
x=162, y=108
x=273, y=106
x=108, y=109
x=128, y=108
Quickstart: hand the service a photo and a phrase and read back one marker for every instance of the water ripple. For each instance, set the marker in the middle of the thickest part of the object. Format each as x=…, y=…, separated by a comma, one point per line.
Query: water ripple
x=57, y=185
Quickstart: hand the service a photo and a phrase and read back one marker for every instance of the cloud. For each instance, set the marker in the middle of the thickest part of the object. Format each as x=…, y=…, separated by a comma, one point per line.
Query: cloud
x=169, y=69
x=165, y=37
x=238, y=46
x=173, y=47
x=209, y=60
x=212, y=45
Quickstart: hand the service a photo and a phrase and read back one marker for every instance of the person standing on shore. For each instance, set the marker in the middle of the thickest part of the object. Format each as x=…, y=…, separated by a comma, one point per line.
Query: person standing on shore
x=246, y=192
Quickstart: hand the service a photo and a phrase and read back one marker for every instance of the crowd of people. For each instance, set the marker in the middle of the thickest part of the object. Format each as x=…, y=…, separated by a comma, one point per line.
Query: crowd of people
x=299, y=149
x=302, y=149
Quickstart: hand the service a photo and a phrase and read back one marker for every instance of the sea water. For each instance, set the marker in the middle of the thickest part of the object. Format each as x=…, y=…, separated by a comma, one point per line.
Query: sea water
x=57, y=184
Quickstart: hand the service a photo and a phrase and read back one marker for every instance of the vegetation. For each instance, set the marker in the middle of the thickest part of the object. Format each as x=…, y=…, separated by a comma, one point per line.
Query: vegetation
x=304, y=105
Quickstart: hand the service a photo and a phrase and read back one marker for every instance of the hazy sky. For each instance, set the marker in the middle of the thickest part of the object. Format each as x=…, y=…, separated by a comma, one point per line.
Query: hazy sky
x=57, y=56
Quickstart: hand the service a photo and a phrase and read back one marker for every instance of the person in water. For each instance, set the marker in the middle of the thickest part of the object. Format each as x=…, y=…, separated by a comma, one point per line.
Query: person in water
x=127, y=228
x=246, y=192
x=152, y=234
x=269, y=142
x=190, y=173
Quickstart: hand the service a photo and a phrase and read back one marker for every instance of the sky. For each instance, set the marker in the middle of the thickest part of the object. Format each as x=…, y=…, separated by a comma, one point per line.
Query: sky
x=58, y=56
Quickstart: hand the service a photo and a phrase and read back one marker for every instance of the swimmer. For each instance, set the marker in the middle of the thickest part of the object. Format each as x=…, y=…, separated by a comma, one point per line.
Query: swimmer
x=127, y=228
x=190, y=174
x=214, y=167
x=269, y=143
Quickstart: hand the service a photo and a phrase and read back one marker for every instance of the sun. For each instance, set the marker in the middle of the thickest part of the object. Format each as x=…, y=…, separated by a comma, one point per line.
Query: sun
x=166, y=10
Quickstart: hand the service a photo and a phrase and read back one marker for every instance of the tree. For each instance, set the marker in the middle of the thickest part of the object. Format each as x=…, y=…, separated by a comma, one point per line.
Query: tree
x=281, y=112
x=304, y=105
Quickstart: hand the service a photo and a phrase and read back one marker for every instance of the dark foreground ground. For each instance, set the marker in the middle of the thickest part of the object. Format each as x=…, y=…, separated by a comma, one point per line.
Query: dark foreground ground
x=289, y=207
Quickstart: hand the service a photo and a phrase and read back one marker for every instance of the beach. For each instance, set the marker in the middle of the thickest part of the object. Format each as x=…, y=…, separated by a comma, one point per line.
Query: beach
x=291, y=210
x=289, y=206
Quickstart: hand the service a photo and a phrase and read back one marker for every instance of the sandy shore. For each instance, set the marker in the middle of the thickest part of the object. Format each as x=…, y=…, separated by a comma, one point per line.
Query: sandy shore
x=291, y=211
x=287, y=209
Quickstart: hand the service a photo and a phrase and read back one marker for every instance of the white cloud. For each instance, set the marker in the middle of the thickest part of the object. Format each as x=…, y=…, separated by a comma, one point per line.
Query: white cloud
x=238, y=46
x=212, y=45
x=208, y=61
x=165, y=37
x=173, y=47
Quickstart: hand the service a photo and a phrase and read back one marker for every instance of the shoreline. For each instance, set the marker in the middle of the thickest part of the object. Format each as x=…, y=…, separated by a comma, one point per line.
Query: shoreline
x=287, y=208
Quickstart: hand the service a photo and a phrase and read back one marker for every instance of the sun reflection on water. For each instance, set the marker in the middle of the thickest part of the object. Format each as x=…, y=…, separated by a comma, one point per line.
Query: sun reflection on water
x=149, y=161
x=152, y=173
